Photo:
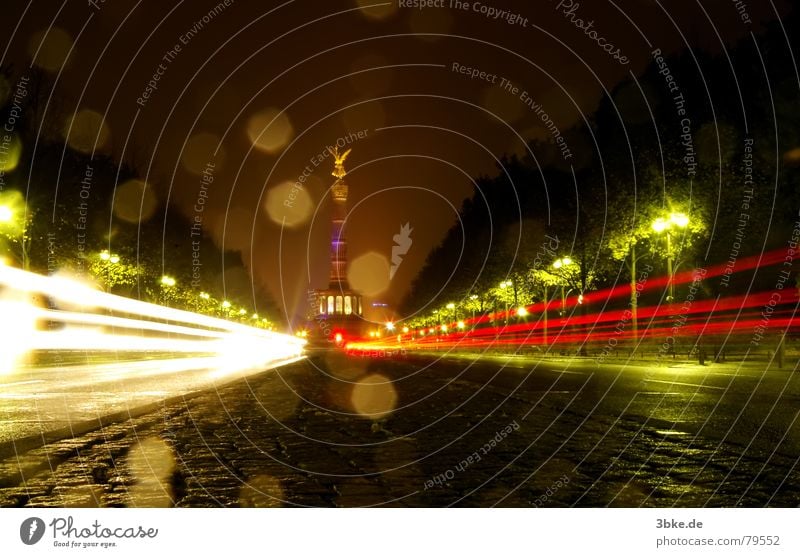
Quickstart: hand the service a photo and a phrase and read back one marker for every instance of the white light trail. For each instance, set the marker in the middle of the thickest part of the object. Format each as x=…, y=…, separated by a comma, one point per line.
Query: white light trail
x=207, y=343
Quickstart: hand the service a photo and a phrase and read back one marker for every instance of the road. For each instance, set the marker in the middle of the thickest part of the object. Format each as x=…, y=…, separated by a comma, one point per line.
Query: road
x=333, y=430
x=63, y=394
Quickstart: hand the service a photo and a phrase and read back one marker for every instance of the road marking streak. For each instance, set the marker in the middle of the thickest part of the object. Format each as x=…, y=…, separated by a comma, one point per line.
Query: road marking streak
x=684, y=384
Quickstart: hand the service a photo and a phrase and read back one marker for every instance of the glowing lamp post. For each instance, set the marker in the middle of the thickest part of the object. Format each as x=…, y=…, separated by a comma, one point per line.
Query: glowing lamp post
x=14, y=218
x=503, y=286
x=559, y=264
x=473, y=298
x=6, y=214
x=675, y=220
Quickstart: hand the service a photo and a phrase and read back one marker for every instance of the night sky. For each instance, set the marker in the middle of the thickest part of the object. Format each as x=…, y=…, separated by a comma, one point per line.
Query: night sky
x=260, y=89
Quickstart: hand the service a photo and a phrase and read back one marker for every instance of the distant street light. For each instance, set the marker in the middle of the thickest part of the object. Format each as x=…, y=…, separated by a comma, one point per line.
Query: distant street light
x=167, y=281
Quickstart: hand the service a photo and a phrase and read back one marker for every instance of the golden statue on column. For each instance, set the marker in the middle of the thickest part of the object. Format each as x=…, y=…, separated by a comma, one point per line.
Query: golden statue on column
x=339, y=189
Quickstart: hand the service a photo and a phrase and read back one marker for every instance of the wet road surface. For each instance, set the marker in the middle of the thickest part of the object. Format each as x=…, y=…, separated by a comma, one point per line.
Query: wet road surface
x=342, y=431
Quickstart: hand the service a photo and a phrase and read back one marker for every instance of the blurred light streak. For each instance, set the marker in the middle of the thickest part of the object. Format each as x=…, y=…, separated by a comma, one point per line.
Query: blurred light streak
x=220, y=346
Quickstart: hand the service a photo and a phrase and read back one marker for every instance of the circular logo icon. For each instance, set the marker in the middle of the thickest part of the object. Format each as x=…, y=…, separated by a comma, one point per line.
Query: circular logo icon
x=31, y=530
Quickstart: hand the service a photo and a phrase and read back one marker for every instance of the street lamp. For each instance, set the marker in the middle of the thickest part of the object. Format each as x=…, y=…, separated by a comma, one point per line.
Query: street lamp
x=107, y=269
x=473, y=298
x=14, y=217
x=112, y=258
x=6, y=214
x=560, y=264
x=167, y=281
x=675, y=220
x=503, y=286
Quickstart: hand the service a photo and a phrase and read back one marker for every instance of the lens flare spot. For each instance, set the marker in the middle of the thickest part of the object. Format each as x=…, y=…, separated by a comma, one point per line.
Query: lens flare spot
x=262, y=492
x=374, y=397
x=341, y=367
x=792, y=156
x=371, y=11
x=9, y=158
x=289, y=204
x=135, y=201
x=270, y=130
x=49, y=48
x=369, y=274
x=151, y=463
x=201, y=149
x=86, y=131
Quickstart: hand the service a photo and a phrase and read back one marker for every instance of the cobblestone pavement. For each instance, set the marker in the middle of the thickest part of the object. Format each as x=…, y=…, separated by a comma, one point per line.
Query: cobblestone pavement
x=336, y=431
